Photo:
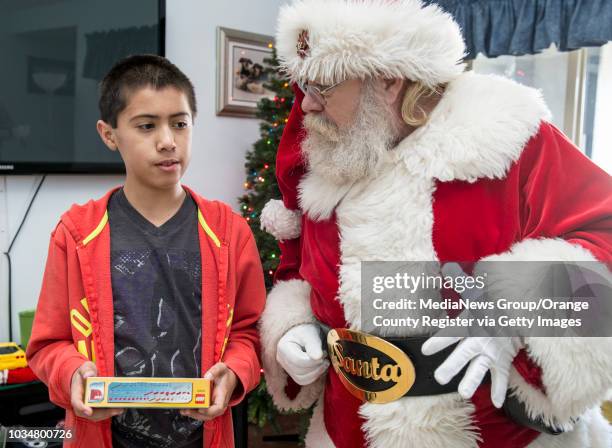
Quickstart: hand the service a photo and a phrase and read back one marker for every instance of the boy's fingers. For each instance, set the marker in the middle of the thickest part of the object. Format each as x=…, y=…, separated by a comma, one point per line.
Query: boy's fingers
x=86, y=370
x=205, y=414
x=76, y=392
x=199, y=414
x=76, y=398
x=81, y=410
x=220, y=396
x=224, y=391
x=215, y=371
x=214, y=411
x=220, y=400
x=189, y=413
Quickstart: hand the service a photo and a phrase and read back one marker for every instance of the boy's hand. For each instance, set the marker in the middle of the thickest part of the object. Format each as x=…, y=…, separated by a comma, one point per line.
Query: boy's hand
x=77, y=392
x=224, y=382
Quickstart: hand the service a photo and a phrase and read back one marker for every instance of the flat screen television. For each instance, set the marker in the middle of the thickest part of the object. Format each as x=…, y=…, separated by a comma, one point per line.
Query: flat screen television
x=54, y=54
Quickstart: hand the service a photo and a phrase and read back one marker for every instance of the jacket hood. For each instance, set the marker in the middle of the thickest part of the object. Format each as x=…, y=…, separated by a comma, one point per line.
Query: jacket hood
x=85, y=221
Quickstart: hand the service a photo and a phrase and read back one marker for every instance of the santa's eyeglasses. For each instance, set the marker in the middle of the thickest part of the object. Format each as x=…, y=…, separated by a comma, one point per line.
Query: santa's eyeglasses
x=317, y=92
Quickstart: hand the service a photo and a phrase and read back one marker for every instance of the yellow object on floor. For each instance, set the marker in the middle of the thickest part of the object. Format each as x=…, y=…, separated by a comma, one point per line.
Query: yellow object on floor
x=11, y=356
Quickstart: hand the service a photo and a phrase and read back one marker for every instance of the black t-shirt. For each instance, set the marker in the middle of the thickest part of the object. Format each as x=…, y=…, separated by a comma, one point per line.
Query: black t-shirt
x=156, y=278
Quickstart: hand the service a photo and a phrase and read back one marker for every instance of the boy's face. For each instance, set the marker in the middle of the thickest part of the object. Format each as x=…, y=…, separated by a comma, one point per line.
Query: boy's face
x=153, y=136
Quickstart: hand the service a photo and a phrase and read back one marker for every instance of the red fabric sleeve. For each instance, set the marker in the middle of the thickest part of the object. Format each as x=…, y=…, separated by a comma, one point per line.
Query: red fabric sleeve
x=565, y=195
x=51, y=352
x=243, y=346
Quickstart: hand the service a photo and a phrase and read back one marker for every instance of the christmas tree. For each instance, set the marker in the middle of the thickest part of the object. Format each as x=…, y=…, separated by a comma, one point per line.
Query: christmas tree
x=261, y=186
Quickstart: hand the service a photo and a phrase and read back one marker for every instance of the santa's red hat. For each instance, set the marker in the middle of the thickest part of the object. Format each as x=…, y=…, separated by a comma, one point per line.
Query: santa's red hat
x=282, y=219
x=329, y=41
x=332, y=40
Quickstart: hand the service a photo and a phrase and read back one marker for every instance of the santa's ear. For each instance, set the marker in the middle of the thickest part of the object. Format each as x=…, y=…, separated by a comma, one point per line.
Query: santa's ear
x=392, y=90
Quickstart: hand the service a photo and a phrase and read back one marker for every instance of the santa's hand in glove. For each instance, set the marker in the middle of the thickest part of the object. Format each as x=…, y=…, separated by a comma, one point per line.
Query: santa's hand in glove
x=300, y=353
x=484, y=354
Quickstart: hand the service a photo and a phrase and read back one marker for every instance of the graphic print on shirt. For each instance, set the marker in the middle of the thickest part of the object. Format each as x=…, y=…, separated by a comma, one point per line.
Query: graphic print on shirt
x=156, y=276
x=160, y=316
x=155, y=311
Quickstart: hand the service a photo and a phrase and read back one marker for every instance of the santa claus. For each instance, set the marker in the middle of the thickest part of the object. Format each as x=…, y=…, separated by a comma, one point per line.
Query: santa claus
x=393, y=152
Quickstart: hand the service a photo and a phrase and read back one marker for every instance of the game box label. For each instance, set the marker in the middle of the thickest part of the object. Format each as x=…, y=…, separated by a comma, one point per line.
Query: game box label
x=112, y=392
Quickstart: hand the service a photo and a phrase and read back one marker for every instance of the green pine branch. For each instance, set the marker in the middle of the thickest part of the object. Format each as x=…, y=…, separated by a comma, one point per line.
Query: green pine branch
x=260, y=187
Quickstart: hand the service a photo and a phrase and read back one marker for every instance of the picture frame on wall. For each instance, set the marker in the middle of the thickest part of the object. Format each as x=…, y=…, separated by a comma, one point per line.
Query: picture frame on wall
x=240, y=71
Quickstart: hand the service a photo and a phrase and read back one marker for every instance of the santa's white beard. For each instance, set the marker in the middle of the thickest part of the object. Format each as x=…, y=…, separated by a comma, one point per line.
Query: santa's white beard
x=343, y=156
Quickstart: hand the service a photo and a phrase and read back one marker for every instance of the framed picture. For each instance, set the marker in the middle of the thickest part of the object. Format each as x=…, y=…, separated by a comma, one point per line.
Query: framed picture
x=240, y=71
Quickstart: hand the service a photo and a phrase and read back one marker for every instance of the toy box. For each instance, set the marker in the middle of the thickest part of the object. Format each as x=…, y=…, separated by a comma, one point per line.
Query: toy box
x=131, y=392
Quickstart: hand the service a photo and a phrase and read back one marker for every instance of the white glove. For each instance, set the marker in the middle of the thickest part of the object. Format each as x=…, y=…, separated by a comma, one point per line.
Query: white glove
x=299, y=352
x=485, y=353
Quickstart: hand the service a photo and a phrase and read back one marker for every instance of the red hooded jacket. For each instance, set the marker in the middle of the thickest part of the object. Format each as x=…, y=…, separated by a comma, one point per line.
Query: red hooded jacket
x=74, y=317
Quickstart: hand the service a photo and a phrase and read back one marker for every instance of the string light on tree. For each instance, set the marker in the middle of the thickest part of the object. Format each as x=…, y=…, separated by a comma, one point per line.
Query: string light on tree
x=260, y=186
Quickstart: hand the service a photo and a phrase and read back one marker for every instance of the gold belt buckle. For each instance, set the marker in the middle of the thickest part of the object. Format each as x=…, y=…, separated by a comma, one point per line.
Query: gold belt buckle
x=370, y=368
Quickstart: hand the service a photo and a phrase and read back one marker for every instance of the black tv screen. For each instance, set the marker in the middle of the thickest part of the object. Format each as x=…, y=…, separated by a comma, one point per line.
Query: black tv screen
x=54, y=54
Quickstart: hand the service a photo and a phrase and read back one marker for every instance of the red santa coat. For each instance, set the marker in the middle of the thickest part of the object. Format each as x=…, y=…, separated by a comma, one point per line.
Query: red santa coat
x=486, y=178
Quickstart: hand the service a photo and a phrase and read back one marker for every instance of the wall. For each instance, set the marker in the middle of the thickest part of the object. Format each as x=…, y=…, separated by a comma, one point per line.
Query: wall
x=30, y=249
x=602, y=140
x=219, y=146
x=219, y=143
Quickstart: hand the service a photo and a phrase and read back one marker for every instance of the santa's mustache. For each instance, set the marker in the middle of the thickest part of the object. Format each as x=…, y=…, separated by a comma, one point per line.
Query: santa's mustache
x=321, y=125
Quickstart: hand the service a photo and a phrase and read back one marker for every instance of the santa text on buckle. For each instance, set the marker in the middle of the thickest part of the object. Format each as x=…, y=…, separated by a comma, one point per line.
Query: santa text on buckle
x=370, y=368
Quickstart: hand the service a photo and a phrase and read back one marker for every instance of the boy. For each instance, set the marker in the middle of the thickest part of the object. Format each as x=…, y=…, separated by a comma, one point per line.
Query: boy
x=150, y=280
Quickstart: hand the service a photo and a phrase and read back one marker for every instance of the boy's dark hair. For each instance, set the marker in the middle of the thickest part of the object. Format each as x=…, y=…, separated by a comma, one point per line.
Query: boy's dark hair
x=137, y=71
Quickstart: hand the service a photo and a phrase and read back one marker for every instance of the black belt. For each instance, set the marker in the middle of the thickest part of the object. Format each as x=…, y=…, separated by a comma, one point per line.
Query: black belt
x=424, y=366
x=425, y=383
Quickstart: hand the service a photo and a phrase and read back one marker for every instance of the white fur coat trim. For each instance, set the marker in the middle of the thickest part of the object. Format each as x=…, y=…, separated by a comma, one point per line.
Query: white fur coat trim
x=318, y=196
x=433, y=422
x=287, y=305
x=403, y=202
x=576, y=372
x=317, y=436
x=477, y=130
x=358, y=39
x=279, y=221
x=402, y=199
